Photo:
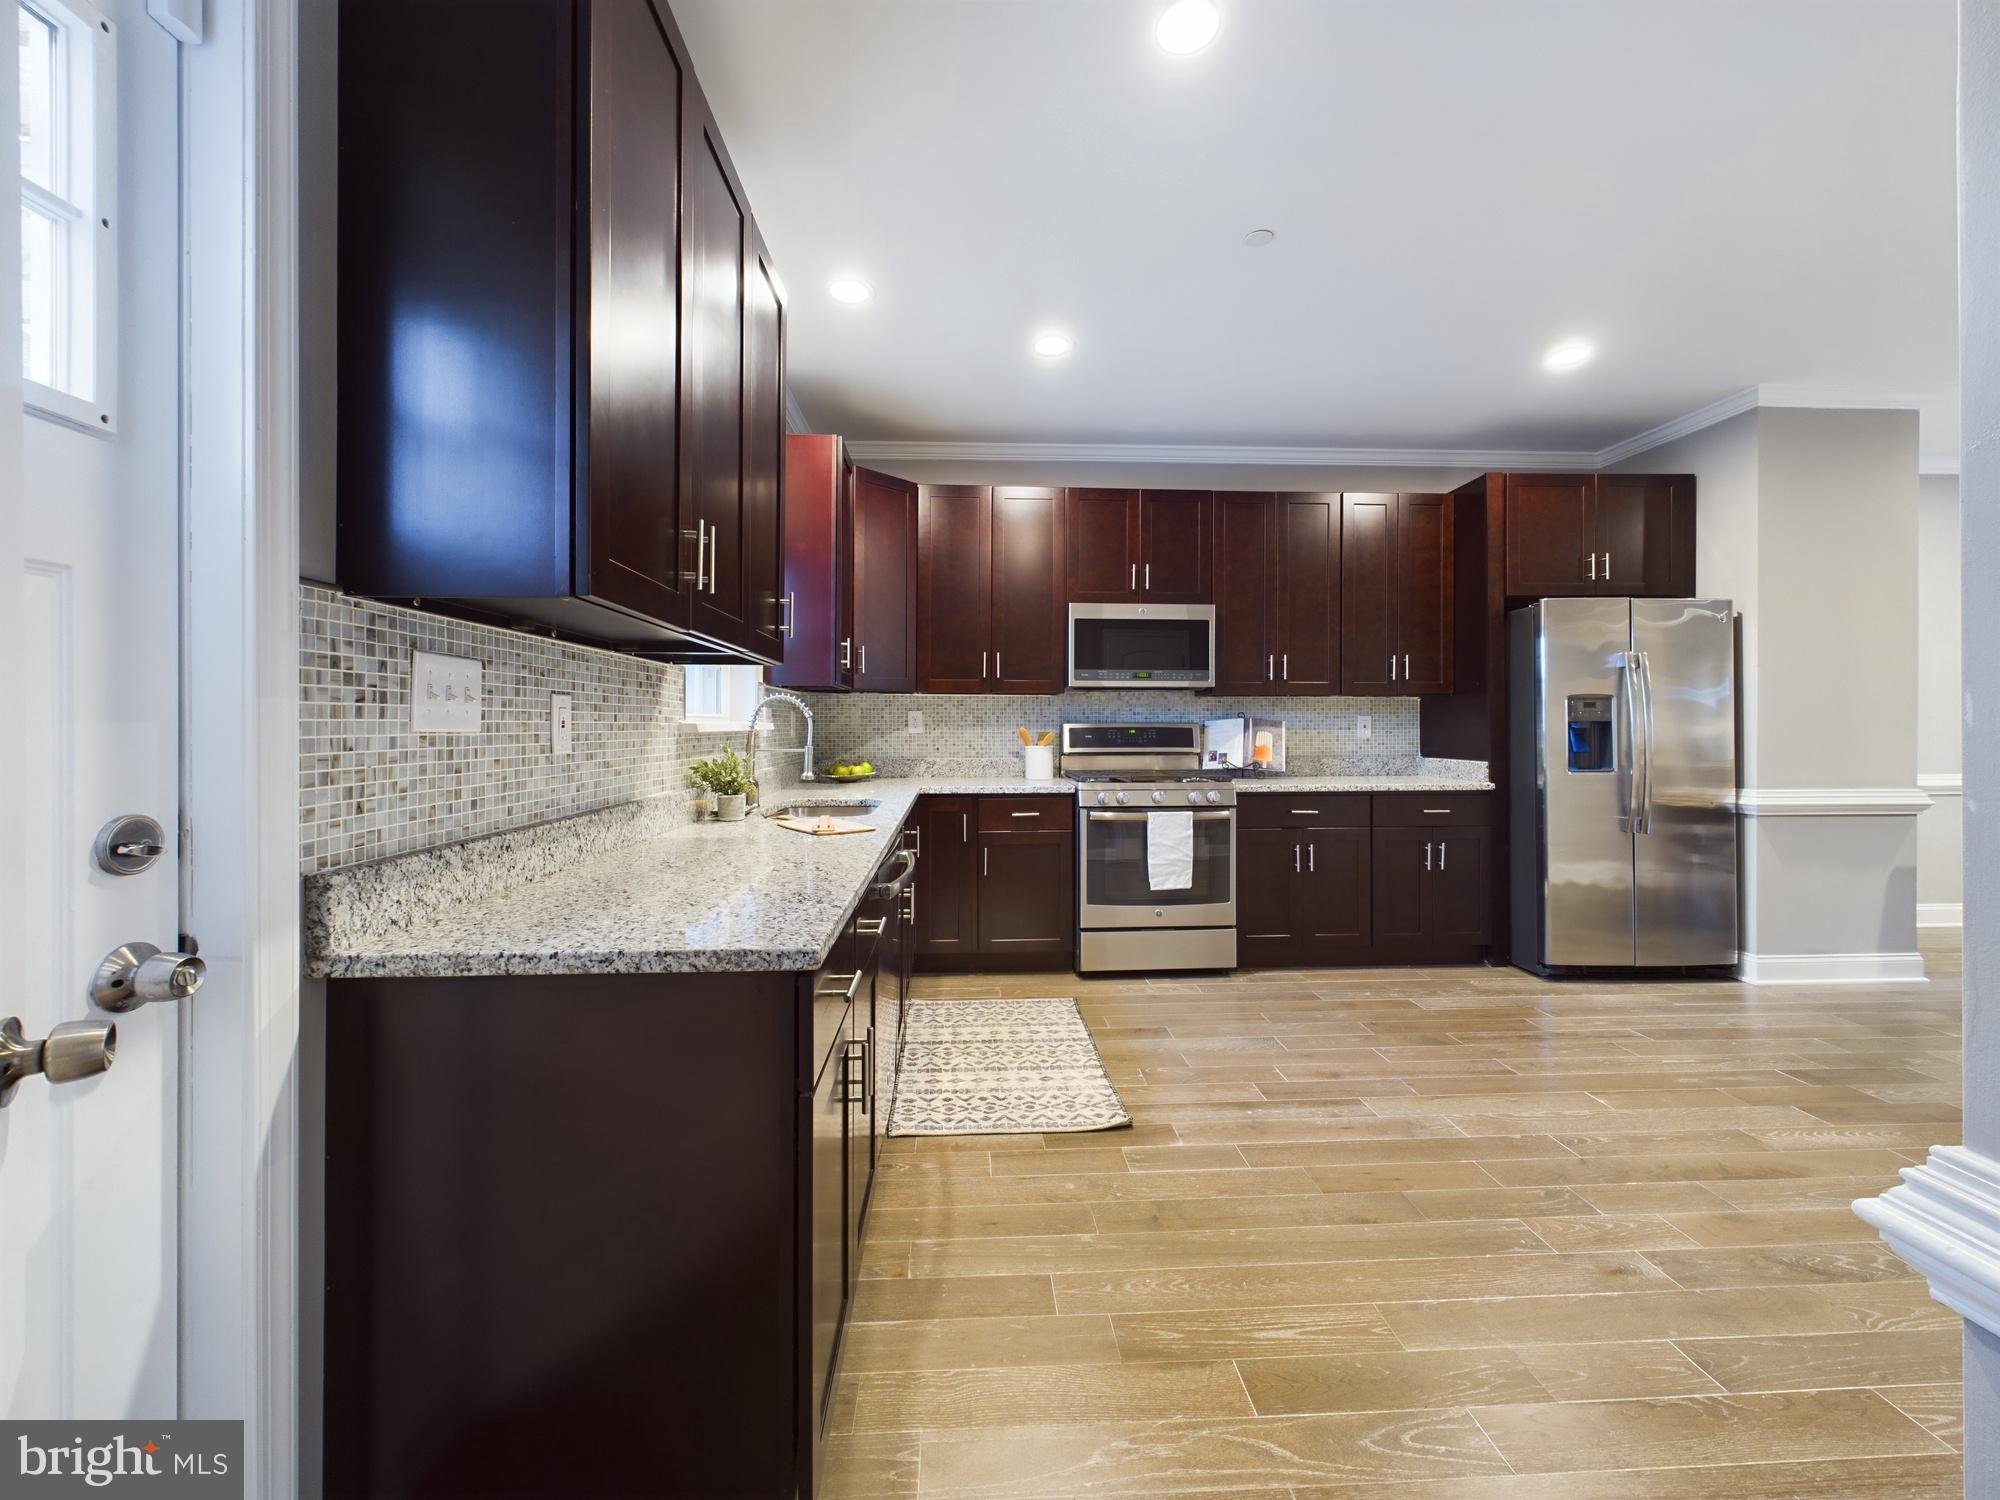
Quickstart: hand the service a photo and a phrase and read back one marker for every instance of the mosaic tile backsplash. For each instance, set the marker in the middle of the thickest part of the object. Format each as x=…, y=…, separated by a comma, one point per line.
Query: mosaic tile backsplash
x=970, y=733
x=369, y=787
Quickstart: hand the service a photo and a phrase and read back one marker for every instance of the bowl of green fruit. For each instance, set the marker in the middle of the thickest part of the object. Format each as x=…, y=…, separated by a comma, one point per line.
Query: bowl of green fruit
x=849, y=770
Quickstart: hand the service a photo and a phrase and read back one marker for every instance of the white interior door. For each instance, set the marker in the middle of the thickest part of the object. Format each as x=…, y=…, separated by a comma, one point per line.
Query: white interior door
x=90, y=571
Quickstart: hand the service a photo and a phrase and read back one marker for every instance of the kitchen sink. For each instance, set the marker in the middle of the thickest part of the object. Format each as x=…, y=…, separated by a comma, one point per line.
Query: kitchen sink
x=822, y=809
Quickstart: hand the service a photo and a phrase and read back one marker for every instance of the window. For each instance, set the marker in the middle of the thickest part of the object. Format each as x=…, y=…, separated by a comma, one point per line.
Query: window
x=69, y=291
x=723, y=697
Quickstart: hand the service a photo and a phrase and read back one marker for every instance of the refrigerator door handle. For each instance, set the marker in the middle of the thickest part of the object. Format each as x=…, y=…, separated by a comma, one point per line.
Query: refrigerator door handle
x=1642, y=811
x=1628, y=821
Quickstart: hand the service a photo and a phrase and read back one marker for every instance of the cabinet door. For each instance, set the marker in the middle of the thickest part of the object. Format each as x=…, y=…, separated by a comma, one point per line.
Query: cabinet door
x=1029, y=612
x=1401, y=883
x=1367, y=605
x=818, y=482
x=859, y=1141
x=947, y=917
x=1422, y=567
x=1246, y=660
x=1103, y=545
x=1267, y=880
x=1645, y=535
x=1335, y=898
x=1550, y=535
x=1308, y=594
x=764, y=457
x=1461, y=909
x=954, y=583
x=1027, y=894
x=827, y=1120
x=636, y=558
x=1173, y=547
x=713, y=243
x=885, y=583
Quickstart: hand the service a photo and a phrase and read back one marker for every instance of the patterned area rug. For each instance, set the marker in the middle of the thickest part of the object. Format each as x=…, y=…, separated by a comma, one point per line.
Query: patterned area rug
x=1001, y=1067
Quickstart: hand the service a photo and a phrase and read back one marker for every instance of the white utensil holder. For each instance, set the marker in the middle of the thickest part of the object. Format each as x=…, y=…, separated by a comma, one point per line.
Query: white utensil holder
x=1040, y=762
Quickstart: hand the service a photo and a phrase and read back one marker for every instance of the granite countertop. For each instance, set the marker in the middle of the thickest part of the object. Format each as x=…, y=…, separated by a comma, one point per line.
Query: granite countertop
x=637, y=890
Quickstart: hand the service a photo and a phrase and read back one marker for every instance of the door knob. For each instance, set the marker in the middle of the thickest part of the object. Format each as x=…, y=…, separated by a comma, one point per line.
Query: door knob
x=74, y=1050
x=137, y=973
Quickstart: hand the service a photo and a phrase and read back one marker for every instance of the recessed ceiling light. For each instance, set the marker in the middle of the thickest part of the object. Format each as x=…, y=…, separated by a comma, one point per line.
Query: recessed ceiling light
x=1257, y=237
x=1570, y=354
x=1052, y=345
x=1187, y=26
x=849, y=289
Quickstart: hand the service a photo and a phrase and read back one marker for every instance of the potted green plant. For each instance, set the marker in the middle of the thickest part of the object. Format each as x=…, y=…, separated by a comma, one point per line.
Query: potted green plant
x=727, y=780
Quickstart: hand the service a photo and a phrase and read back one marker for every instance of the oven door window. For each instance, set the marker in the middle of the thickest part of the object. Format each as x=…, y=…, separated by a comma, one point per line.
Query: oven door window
x=1114, y=870
x=1132, y=645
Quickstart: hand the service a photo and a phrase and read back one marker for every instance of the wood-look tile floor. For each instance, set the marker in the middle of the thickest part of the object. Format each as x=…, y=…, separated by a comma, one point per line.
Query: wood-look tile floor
x=1430, y=1235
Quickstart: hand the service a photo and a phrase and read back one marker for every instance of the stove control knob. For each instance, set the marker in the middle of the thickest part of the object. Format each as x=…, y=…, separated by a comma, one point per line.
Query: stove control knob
x=1194, y=796
x=1214, y=797
x=1121, y=796
x=1159, y=796
x=1103, y=797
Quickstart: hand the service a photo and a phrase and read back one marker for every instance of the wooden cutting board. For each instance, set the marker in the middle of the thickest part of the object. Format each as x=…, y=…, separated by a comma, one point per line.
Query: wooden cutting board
x=824, y=827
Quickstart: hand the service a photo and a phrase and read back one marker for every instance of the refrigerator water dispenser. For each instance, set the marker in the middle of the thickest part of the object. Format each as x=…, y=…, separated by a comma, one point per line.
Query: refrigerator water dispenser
x=1590, y=747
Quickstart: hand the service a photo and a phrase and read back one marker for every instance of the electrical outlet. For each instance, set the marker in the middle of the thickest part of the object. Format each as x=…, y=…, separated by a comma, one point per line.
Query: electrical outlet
x=560, y=740
x=1364, y=726
x=916, y=721
x=446, y=693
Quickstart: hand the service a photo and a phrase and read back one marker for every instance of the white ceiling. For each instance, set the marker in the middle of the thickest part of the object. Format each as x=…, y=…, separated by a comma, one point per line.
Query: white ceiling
x=1719, y=193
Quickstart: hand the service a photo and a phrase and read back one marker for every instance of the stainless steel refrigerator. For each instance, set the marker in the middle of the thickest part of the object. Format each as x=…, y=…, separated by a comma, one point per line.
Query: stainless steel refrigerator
x=1622, y=783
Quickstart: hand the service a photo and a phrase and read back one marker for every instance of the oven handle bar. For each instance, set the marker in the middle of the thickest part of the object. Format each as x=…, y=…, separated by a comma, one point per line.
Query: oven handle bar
x=1134, y=817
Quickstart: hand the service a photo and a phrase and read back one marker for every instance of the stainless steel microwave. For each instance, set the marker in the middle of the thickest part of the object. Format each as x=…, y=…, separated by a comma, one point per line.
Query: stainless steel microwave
x=1142, y=645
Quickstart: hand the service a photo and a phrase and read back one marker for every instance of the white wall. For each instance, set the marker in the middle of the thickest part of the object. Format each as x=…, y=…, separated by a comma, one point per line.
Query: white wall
x=1940, y=828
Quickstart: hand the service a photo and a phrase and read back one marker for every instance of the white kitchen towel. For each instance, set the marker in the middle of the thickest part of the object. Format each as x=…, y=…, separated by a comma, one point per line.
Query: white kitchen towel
x=1170, y=850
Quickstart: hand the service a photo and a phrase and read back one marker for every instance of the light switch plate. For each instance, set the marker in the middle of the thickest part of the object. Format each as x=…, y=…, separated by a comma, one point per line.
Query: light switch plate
x=916, y=721
x=1364, y=726
x=559, y=724
x=446, y=693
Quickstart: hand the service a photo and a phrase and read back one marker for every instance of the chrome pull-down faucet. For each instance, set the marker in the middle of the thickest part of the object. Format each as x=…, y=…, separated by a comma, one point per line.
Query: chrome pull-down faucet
x=750, y=739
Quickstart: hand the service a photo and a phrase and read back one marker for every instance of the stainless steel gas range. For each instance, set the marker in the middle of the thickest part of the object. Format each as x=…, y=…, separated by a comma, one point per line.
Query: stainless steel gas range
x=1156, y=856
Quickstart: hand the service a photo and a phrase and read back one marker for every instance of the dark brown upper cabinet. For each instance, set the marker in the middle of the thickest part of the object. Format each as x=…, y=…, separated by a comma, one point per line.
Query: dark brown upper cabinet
x=561, y=343
x=850, y=597
x=885, y=583
x=1246, y=660
x=1620, y=534
x=818, y=605
x=1397, y=589
x=1146, y=546
x=1277, y=593
x=991, y=581
x=954, y=588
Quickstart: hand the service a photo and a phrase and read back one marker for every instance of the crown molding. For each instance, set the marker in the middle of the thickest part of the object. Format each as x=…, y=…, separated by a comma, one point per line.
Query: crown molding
x=1944, y=1219
x=892, y=451
x=795, y=416
x=1831, y=802
x=1250, y=455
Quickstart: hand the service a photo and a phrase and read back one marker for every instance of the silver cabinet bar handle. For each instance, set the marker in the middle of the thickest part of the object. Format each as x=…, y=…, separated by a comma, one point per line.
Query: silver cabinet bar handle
x=871, y=926
x=1024, y=815
x=997, y=673
x=1392, y=666
x=1406, y=666
x=790, y=604
x=1607, y=567
x=1295, y=859
x=985, y=858
x=1285, y=667
x=1427, y=856
x=700, y=553
x=1135, y=578
x=864, y=660
x=1149, y=575
x=1593, y=567
x=982, y=666
x=846, y=653
x=964, y=834
x=1312, y=863
x=1270, y=669
x=1437, y=812
x=1441, y=848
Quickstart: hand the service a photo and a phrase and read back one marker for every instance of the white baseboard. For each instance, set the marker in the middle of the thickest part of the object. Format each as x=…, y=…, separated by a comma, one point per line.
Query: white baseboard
x=1831, y=968
x=1944, y=1220
x=1940, y=913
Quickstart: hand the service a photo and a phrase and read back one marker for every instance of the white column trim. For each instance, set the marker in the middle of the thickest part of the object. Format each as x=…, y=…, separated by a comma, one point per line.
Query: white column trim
x=1831, y=968
x=1831, y=802
x=1941, y=783
x=1944, y=1219
x=1940, y=913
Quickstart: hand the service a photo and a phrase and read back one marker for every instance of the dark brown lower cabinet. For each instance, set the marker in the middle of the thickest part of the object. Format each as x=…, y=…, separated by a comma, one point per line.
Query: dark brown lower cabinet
x=947, y=924
x=1352, y=879
x=999, y=883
